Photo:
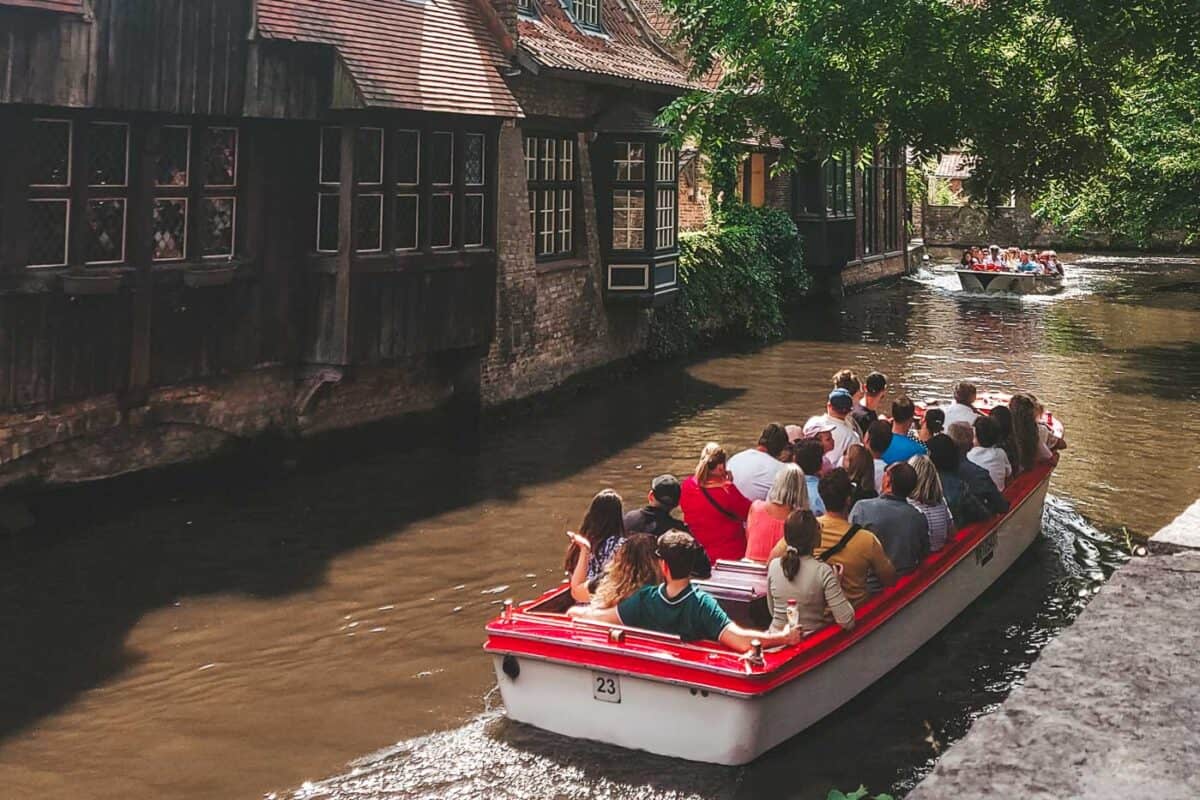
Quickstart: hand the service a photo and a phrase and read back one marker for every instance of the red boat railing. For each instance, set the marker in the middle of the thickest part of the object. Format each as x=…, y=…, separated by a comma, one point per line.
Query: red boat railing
x=709, y=665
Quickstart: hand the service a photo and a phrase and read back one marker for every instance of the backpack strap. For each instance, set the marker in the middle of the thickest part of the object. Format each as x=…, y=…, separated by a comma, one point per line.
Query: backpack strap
x=841, y=545
x=724, y=511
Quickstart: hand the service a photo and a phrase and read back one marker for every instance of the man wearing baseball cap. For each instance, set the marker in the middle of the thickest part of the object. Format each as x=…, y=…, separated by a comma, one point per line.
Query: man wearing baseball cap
x=837, y=420
x=655, y=518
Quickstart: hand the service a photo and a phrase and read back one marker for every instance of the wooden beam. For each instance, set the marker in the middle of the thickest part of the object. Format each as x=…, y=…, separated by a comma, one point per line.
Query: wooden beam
x=339, y=350
x=144, y=147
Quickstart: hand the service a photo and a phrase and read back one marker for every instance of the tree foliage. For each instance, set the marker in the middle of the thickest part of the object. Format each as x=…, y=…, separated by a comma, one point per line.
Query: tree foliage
x=1150, y=187
x=1034, y=88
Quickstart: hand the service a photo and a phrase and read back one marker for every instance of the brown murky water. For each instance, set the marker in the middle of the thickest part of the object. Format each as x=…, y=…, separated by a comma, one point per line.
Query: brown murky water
x=228, y=632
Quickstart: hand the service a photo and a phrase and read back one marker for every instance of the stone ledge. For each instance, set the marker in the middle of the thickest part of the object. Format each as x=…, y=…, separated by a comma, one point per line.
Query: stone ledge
x=1182, y=534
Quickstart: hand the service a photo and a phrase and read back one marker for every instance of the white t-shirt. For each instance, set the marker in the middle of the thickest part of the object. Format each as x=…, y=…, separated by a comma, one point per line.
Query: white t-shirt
x=995, y=461
x=754, y=473
x=844, y=434
x=880, y=468
x=959, y=412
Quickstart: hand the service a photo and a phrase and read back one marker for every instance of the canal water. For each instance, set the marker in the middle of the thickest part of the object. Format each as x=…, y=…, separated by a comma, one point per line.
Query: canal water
x=315, y=632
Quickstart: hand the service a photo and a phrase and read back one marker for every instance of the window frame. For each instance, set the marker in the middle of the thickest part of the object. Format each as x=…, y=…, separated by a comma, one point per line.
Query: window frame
x=557, y=241
x=586, y=14
x=401, y=134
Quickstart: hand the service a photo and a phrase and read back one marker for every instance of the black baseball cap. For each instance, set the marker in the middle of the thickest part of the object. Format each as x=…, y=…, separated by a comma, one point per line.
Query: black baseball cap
x=665, y=489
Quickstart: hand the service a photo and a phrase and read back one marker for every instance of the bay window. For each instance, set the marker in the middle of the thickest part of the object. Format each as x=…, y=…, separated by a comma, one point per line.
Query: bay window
x=638, y=190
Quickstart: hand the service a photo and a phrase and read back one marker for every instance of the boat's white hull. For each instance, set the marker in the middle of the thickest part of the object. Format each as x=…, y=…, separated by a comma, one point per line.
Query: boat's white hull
x=1008, y=282
x=676, y=720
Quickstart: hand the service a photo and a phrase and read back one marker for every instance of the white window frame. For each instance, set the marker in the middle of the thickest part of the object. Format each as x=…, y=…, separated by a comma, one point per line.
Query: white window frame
x=124, y=201
x=417, y=230
x=125, y=185
x=418, y=175
x=586, y=13
x=546, y=246
x=237, y=156
x=187, y=165
x=666, y=163
x=549, y=159
x=233, y=230
x=664, y=229
x=187, y=219
x=482, y=216
x=382, y=155
x=624, y=156
x=629, y=229
x=450, y=180
x=70, y=123
x=566, y=220
x=378, y=248
x=66, y=230
x=450, y=216
x=320, y=196
x=482, y=158
x=566, y=160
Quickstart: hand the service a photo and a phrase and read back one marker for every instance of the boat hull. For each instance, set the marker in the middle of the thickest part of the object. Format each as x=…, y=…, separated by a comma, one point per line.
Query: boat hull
x=1008, y=282
x=680, y=720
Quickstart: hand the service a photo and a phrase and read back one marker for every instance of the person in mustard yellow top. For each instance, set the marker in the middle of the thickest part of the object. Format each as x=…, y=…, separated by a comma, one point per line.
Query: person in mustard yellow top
x=855, y=556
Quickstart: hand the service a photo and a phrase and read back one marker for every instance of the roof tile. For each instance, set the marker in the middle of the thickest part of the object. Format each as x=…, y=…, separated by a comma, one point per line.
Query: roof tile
x=64, y=6
x=430, y=55
x=628, y=48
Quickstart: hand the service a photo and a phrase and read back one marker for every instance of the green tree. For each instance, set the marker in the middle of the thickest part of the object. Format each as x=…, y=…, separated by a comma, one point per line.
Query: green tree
x=1150, y=187
x=1032, y=87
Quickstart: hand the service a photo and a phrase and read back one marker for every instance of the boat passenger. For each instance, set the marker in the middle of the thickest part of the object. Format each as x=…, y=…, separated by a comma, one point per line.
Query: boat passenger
x=933, y=423
x=903, y=447
x=600, y=534
x=968, y=259
x=900, y=528
x=963, y=407
x=837, y=415
x=1048, y=437
x=633, y=566
x=846, y=379
x=821, y=431
x=995, y=259
x=1002, y=417
x=1028, y=263
x=928, y=499
x=798, y=576
x=1054, y=266
x=713, y=507
x=867, y=409
x=655, y=518
x=754, y=470
x=988, y=454
x=878, y=440
x=860, y=467
x=856, y=552
x=1027, y=440
x=976, y=477
x=677, y=607
x=764, y=523
x=809, y=457
x=965, y=507
x=1012, y=259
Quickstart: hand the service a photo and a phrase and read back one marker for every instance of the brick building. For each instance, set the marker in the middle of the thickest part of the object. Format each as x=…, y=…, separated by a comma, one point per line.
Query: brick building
x=362, y=209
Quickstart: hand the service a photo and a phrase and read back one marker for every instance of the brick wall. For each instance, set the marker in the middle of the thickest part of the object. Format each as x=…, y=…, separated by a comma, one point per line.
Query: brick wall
x=551, y=320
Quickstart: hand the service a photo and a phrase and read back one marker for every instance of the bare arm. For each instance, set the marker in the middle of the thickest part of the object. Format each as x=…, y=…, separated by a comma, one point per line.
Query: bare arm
x=579, y=581
x=778, y=551
x=735, y=637
x=608, y=615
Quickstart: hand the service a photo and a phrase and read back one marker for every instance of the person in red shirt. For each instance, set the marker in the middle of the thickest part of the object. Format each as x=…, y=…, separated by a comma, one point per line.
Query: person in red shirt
x=713, y=507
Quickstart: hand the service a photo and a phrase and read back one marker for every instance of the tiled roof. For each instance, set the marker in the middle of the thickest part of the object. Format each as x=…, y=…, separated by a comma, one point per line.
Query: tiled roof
x=65, y=6
x=628, y=48
x=426, y=56
x=954, y=165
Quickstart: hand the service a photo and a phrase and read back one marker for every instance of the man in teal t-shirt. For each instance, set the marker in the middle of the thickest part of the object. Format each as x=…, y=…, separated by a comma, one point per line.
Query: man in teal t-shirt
x=678, y=607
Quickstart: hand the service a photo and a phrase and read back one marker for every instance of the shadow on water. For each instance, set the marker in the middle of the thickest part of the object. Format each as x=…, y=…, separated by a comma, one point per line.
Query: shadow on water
x=104, y=555
x=1170, y=371
x=903, y=721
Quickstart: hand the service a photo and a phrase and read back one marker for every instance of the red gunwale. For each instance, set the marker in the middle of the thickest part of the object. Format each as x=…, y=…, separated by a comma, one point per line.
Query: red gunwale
x=709, y=665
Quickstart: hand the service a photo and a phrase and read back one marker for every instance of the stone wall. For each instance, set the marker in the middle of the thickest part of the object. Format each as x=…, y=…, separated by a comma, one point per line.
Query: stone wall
x=551, y=319
x=872, y=270
x=964, y=226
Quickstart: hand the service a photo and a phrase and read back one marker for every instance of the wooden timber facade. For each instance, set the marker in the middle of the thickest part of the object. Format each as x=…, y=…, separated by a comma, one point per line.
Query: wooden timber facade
x=220, y=218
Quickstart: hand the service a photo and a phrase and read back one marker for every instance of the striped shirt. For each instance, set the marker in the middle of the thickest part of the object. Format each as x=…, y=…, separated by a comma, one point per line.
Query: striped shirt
x=941, y=523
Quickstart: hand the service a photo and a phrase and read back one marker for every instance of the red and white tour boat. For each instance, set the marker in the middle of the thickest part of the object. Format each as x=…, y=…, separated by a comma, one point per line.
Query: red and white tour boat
x=700, y=701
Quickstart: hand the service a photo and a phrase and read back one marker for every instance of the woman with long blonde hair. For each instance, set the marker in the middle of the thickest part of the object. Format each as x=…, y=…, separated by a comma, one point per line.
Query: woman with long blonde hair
x=930, y=500
x=633, y=566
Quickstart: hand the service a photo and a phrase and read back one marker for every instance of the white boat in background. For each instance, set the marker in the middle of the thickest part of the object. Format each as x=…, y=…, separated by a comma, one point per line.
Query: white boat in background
x=700, y=701
x=996, y=282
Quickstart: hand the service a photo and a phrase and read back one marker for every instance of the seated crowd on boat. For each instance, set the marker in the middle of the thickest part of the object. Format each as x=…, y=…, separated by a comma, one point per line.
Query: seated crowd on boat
x=1012, y=259
x=837, y=509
